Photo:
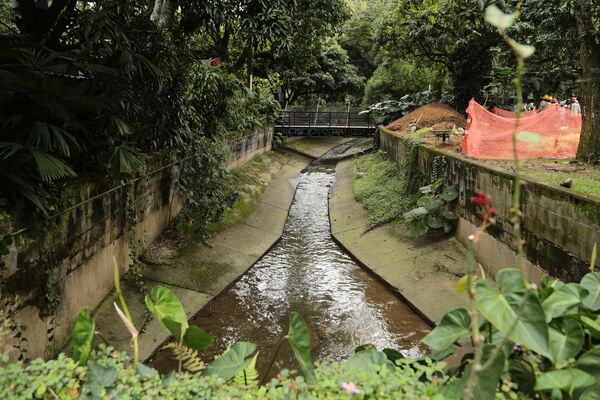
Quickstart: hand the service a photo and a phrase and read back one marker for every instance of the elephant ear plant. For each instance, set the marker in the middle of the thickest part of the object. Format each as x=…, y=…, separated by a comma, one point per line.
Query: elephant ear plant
x=431, y=211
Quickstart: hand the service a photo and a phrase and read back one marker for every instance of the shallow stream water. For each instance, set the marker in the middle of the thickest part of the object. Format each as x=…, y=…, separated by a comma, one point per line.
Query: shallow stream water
x=307, y=272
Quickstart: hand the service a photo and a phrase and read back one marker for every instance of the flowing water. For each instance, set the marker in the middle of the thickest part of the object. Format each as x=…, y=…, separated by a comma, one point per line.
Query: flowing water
x=306, y=271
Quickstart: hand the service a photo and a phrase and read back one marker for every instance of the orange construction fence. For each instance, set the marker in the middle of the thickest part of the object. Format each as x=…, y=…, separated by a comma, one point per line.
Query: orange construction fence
x=511, y=114
x=490, y=135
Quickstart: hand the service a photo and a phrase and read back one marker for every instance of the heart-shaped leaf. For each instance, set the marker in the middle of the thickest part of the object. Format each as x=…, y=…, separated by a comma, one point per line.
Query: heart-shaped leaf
x=565, y=379
x=231, y=362
x=566, y=342
x=591, y=282
x=450, y=193
x=564, y=300
x=453, y=326
x=164, y=304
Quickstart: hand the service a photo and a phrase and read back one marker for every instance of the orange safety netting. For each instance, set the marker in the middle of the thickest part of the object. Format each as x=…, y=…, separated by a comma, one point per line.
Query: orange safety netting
x=511, y=114
x=490, y=135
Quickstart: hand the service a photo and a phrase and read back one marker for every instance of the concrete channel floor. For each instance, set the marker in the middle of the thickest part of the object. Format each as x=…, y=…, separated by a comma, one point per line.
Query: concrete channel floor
x=199, y=273
x=423, y=272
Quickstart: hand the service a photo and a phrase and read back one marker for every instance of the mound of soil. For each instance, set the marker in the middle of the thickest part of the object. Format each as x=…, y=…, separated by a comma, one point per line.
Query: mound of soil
x=437, y=114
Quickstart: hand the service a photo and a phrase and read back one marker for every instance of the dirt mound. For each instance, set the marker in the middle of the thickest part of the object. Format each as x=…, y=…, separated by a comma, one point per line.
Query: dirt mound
x=428, y=116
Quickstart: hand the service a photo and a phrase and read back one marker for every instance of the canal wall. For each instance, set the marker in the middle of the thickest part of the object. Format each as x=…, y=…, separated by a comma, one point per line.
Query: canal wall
x=242, y=149
x=559, y=226
x=54, y=270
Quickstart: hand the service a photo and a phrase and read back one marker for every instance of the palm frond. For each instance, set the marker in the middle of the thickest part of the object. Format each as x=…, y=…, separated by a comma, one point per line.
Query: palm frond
x=15, y=184
x=125, y=159
x=51, y=168
x=189, y=357
x=52, y=138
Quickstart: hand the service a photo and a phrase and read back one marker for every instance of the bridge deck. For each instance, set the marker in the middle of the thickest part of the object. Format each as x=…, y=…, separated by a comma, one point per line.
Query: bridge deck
x=310, y=123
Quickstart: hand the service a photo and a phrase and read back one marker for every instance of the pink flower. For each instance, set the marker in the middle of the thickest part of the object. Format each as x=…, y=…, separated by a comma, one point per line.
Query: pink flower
x=350, y=387
x=516, y=346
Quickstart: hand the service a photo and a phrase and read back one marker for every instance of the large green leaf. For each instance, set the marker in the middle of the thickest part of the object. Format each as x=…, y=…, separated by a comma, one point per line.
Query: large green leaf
x=83, y=336
x=366, y=359
x=423, y=201
x=564, y=300
x=449, y=215
x=510, y=280
x=164, y=304
x=197, y=339
x=432, y=187
x=434, y=205
x=434, y=221
x=453, y=326
x=591, y=282
x=567, y=342
x=504, y=312
x=417, y=227
x=564, y=379
x=590, y=362
x=450, y=193
x=232, y=362
x=299, y=339
x=415, y=213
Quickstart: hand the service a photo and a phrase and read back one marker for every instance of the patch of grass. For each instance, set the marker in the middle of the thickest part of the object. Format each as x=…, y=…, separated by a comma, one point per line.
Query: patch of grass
x=584, y=184
x=249, y=186
x=382, y=189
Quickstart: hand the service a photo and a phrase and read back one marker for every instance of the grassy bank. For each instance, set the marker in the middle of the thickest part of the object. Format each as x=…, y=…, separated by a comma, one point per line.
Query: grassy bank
x=251, y=180
x=381, y=188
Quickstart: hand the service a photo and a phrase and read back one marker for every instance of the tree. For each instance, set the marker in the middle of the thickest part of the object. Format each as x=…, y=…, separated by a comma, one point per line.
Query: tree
x=394, y=79
x=328, y=75
x=588, y=24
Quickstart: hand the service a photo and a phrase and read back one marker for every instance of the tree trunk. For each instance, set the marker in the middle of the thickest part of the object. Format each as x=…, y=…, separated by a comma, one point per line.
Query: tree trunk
x=167, y=13
x=589, y=144
x=156, y=10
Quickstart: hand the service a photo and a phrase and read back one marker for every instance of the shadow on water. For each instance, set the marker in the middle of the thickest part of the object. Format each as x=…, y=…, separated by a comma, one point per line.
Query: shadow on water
x=307, y=272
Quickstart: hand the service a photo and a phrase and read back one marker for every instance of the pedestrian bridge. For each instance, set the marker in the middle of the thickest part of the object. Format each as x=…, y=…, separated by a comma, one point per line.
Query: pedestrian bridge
x=324, y=124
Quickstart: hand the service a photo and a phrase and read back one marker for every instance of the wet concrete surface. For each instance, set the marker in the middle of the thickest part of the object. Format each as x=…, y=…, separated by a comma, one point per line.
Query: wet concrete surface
x=307, y=272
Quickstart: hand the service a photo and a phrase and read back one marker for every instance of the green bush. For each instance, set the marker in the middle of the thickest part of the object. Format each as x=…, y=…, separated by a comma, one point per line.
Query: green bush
x=110, y=375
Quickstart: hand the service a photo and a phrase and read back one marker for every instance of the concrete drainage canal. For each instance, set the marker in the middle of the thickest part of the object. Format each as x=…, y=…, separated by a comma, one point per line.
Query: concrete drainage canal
x=306, y=271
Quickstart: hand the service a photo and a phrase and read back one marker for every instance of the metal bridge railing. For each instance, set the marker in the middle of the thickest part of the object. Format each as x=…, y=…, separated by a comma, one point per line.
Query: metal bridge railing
x=322, y=119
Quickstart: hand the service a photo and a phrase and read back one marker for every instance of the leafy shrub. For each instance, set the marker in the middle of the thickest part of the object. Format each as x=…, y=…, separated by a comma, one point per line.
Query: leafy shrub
x=431, y=211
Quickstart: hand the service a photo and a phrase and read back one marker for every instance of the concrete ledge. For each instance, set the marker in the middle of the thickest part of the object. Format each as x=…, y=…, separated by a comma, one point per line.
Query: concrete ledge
x=423, y=273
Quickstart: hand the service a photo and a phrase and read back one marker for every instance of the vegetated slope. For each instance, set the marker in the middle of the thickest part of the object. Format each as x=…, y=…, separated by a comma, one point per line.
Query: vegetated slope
x=428, y=116
x=381, y=189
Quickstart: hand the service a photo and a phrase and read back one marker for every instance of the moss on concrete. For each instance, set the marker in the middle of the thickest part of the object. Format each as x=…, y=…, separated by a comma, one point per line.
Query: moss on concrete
x=381, y=189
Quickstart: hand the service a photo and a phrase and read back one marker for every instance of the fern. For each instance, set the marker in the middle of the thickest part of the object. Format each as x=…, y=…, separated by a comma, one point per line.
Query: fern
x=190, y=359
x=246, y=377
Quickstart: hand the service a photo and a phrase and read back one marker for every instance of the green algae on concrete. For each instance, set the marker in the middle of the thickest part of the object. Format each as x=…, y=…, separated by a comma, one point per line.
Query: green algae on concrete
x=423, y=271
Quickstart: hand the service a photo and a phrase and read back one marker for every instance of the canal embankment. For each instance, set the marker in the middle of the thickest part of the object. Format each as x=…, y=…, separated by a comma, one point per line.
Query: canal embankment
x=423, y=271
x=198, y=272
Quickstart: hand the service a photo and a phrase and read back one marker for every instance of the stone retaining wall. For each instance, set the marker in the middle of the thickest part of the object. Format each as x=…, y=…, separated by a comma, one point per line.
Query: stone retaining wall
x=56, y=271
x=559, y=226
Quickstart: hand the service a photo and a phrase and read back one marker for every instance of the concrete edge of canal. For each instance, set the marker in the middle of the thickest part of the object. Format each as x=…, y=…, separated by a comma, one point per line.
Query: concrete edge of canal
x=424, y=275
x=215, y=268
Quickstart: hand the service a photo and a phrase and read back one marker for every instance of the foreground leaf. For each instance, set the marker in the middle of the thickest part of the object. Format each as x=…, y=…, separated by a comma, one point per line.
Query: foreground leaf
x=567, y=342
x=164, y=304
x=503, y=311
x=231, y=362
x=564, y=300
x=565, y=379
x=83, y=336
x=591, y=282
x=299, y=340
x=453, y=326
